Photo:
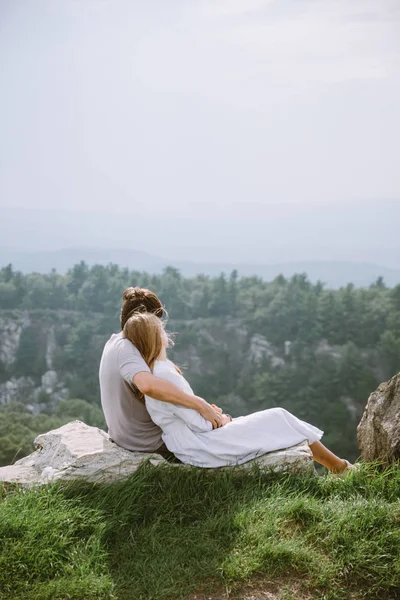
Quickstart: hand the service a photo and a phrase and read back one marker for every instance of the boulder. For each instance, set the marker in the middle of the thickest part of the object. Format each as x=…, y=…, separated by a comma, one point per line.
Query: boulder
x=79, y=452
x=378, y=432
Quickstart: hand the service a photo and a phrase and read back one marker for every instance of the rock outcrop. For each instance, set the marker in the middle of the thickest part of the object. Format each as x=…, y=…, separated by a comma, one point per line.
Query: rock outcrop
x=79, y=452
x=378, y=432
x=16, y=327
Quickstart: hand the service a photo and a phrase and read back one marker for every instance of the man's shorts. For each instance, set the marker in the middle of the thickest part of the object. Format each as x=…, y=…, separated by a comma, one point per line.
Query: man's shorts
x=167, y=454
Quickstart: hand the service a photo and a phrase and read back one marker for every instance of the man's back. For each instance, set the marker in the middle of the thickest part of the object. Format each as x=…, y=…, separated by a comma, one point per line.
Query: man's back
x=129, y=423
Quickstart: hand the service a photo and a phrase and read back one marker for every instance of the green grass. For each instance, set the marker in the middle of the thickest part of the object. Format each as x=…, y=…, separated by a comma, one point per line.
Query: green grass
x=167, y=533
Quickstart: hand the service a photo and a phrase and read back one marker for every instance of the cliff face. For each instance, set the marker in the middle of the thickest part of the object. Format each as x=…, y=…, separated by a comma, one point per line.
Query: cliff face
x=11, y=326
x=27, y=351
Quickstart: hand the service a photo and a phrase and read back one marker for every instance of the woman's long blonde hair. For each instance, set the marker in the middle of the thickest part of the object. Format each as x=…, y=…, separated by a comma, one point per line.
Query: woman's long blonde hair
x=145, y=331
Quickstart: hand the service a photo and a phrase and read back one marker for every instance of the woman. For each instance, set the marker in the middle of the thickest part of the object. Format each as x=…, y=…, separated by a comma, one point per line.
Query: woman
x=192, y=439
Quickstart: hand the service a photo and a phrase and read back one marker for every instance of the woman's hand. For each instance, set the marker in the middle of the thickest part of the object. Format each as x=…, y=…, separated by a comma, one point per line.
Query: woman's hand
x=225, y=419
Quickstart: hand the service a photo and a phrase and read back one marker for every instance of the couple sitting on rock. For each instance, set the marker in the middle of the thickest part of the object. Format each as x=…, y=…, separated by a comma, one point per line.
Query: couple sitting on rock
x=150, y=407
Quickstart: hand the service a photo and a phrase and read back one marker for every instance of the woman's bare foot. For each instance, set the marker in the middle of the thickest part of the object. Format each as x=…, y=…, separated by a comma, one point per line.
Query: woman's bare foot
x=340, y=469
x=328, y=459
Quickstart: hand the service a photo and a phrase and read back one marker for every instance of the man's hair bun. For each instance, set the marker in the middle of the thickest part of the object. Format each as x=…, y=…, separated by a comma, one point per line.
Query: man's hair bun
x=136, y=299
x=134, y=293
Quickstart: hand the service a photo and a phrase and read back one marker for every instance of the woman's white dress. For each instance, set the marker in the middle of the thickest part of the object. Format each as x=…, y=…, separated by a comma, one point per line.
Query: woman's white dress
x=193, y=440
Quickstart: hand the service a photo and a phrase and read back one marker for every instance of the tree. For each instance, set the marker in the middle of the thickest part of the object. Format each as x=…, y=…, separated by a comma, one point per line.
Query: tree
x=6, y=273
x=30, y=357
x=394, y=318
x=379, y=283
x=330, y=317
x=69, y=410
x=76, y=277
x=8, y=294
x=233, y=292
x=355, y=378
x=220, y=300
x=389, y=351
x=18, y=429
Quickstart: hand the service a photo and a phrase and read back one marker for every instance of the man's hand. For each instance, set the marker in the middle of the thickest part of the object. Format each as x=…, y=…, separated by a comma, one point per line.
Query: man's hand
x=164, y=390
x=209, y=413
x=219, y=410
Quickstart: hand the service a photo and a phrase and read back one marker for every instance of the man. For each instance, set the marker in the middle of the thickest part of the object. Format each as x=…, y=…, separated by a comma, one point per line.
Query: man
x=123, y=372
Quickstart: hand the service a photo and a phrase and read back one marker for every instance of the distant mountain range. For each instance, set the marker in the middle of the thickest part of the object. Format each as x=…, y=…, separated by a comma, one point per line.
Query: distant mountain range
x=209, y=233
x=333, y=273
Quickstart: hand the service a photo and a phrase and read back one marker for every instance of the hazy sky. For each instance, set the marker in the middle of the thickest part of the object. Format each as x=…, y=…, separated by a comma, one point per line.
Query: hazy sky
x=123, y=105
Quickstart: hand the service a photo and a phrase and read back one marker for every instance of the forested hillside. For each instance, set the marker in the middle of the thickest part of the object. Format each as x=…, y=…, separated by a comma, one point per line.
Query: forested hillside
x=243, y=343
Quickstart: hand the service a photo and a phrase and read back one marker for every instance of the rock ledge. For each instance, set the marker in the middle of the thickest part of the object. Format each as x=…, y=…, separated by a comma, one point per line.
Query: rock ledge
x=79, y=452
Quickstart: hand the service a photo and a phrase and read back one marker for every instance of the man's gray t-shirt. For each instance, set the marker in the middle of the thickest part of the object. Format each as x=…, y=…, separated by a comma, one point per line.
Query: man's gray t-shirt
x=129, y=424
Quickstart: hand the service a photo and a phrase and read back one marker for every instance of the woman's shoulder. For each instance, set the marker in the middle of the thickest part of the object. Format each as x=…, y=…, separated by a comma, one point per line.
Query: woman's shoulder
x=164, y=366
x=167, y=370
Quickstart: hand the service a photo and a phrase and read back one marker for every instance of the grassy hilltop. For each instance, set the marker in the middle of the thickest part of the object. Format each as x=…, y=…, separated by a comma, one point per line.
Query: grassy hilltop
x=173, y=534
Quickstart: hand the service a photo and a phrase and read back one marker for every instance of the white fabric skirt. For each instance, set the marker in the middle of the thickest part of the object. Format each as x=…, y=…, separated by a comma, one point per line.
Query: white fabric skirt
x=244, y=439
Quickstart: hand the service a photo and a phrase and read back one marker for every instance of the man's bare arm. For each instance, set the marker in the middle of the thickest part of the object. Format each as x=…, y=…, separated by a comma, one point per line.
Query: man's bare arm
x=163, y=390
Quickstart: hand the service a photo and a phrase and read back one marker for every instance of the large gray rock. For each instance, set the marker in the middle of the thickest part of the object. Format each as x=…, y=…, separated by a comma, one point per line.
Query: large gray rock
x=378, y=432
x=79, y=452
x=75, y=452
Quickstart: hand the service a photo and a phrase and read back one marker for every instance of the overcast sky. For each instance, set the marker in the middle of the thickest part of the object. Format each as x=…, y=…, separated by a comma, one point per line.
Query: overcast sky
x=123, y=105
x=237, y=130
